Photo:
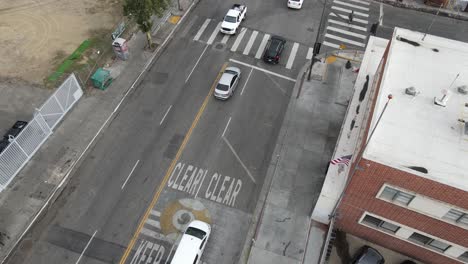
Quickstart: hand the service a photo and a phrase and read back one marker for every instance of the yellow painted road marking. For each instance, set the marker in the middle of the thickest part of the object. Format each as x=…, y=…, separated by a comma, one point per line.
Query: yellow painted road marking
x=174, y=19
x=170, y=169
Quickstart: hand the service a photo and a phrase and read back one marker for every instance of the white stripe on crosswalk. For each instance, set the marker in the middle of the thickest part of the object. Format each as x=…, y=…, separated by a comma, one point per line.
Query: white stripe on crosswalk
x=339, y=30
x=238, y=39
x=213, y=35
x=349, y=11
x=292, y=55
x=262, y=46
x=326, y=43
x=346, y=18
x=351, y=5
x=153, y=223
x=155, y=213
x=202, y=29
x=347, y=25
x=225, y=39
x=345, y=40
x=361, y=2
x=250, y=43
x=152, y=234
x=309, y=53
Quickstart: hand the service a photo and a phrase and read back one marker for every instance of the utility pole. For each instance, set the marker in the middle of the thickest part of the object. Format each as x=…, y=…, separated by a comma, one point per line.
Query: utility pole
x=317, y=44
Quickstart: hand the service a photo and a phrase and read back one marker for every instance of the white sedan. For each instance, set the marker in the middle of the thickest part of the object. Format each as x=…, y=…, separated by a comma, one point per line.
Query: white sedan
x=227, y=83
x=296, y=4
x=192, y=244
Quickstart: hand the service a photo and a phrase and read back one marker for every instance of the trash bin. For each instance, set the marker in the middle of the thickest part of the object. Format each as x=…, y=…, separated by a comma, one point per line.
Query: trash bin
x=101, y=79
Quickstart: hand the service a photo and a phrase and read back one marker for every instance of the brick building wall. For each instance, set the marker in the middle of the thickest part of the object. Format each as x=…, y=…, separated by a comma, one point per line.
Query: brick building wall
x=360, y=196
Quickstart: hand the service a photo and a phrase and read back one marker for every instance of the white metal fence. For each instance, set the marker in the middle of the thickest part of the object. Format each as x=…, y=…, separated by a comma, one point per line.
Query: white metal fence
x=36, y=132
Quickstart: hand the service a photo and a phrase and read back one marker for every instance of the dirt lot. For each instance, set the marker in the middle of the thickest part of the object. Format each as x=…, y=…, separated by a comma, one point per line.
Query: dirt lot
x=36, y=36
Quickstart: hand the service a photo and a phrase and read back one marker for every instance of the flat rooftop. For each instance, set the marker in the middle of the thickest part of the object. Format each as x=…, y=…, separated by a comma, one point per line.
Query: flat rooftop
x=413, y=131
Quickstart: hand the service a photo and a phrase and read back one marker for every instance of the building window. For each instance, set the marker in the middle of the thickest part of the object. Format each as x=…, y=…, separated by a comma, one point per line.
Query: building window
x=396, y=196
x=380, y=224
x=464, y=256
x=457, y=216
x=429, y=242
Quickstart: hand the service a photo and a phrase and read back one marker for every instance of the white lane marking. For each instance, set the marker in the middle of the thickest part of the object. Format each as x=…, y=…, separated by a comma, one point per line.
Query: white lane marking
x=310, y=52
x=164, y=117
x=152, y=234
x=349, y=11
x=339, y=30
x=238, y=39
x=326, y=43
x=246, y=81
x=225, y=39
x=351, y=5
x=213, y=35
x=263, y=70
x=154, y=223
x=86, y=247
x=224, y=132
x=238, y=159
x=354, y=19
x=262, y=46
x=172, y=249
x=345, y=40
x=347, y=25
x=155, y=213
x=129, y=175
x=199, y=187
x=196, y=64
x=361, y=2
x=381, y=15
x=250, y=43
x=292, y=55
x=202, y=29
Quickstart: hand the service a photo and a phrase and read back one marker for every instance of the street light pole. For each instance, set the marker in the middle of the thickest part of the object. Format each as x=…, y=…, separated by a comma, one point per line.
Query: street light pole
x=317, y=44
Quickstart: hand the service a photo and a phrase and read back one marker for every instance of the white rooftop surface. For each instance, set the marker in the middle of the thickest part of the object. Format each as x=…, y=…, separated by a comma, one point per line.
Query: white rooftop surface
x=413, y=130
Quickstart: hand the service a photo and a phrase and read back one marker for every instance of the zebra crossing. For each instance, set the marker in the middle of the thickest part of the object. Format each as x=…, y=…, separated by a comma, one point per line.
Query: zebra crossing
x=340, y=32
x=249, y=42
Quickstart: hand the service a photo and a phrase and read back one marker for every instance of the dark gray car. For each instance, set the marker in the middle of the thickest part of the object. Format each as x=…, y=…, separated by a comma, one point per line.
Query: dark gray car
x=368, y=255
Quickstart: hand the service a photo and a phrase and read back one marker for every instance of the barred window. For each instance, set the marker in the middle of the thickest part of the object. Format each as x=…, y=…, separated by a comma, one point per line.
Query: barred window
x=429, y=242
x=396, y=196
x=380, y=224
x=457, y=216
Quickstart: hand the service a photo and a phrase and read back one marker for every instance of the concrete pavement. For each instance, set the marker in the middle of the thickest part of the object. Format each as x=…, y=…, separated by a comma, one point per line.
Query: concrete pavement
x=282, y=231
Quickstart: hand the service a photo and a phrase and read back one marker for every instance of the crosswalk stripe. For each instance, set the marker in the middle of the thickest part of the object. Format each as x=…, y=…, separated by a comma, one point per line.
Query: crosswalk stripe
x=326, y=43
x=351, y=5
x=155, y=213
x=345, y=40
x=250, y=43
x=238, y=39
x=262, y=46
x=292, y=55
x=213, y=35
x=225, y=39
x=153, y=223
x=152, y=234
x=339, y=30
x=309, y=53
x=349, y=11
x=361, y=2
x=347, y=25
x=202, y=29
x=354, y=20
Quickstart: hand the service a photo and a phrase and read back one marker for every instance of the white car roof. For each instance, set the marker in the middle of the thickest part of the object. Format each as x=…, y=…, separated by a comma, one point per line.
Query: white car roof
x=233, y=13
x=189, y=246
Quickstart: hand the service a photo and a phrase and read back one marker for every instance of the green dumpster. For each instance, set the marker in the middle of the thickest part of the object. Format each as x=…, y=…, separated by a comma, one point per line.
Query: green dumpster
x=101, y=79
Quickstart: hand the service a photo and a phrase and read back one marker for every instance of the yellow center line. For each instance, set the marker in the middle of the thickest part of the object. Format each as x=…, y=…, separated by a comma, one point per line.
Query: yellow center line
x=132, y=242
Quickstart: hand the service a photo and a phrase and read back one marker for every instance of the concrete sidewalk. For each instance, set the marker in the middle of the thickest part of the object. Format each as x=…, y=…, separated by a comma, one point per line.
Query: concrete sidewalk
x=419, y=5
x=41, y=181
x=282, y=231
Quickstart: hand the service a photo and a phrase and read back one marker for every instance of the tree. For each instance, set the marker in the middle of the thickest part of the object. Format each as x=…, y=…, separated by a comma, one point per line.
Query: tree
x=141, y=12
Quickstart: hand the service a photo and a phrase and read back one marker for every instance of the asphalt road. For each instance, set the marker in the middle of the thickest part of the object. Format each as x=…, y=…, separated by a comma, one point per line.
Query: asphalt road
x=174, y=153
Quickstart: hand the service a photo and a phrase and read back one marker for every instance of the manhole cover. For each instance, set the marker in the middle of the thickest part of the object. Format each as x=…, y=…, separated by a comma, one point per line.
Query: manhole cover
x=219, y=46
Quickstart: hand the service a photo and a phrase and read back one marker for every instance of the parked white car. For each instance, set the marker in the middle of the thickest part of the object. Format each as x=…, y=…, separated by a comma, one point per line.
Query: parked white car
x=192, y=244
x=233, y=19
x=227, y=83
x=296, y=4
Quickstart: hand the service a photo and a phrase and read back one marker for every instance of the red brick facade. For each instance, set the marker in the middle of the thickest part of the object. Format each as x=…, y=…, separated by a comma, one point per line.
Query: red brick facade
x=360, y=196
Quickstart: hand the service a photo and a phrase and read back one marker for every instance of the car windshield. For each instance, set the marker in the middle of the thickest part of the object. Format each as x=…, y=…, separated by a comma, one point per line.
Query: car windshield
x=231, y=72
x=222, y=87
x=271, y=52
x=230, y=19
x=195, y=232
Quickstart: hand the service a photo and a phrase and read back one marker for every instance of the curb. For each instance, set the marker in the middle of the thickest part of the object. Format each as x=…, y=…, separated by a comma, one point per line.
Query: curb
x=55, y=194
x=427, y=9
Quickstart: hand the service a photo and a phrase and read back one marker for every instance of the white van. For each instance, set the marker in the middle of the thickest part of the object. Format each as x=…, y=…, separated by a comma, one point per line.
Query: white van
x=192, y=244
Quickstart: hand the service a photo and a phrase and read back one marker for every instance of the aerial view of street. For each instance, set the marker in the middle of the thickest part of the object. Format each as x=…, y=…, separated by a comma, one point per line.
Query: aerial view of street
x=206, y=131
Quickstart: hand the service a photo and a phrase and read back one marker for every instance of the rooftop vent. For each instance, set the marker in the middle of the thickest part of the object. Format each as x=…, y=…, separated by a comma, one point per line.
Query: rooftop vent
x=463, y=89
x=442, y=101
x=410, y=91
x=420, y=169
